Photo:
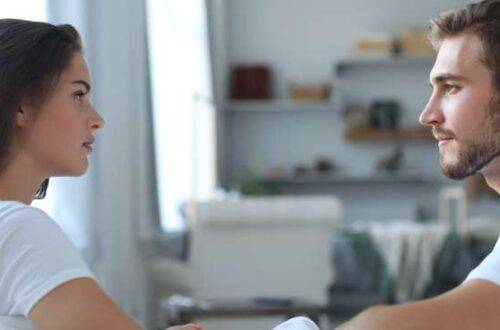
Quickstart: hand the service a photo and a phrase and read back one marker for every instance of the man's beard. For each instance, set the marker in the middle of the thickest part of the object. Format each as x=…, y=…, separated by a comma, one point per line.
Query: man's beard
x=478, y=150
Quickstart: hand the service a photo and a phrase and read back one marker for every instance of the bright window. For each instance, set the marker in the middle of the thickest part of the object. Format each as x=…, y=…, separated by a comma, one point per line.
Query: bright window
x=183, y=114
x=34, y=10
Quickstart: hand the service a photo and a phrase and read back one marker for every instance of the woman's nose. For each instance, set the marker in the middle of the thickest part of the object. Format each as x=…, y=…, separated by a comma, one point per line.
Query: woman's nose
x=97, y=121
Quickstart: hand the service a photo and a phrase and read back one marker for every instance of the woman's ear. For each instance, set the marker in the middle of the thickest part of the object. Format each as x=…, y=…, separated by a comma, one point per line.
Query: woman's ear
x=21, y=119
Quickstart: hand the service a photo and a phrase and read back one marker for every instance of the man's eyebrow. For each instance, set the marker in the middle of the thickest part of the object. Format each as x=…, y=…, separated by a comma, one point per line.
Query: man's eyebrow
x=82, y=82
x=446, y=77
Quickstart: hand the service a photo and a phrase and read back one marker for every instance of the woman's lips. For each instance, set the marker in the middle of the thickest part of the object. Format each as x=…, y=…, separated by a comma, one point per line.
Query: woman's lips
x=88, y=147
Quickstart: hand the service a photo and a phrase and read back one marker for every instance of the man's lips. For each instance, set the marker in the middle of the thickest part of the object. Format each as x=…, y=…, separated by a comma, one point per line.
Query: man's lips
x=441, y=134
x=443, y=140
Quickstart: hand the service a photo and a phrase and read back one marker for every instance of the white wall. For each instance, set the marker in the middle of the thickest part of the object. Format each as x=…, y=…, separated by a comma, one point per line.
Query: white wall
x=301, y=41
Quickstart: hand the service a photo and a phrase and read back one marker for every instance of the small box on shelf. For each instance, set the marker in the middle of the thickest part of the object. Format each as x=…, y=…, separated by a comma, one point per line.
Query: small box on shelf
x=414, y=43
x=314, y=93
x=251, y=82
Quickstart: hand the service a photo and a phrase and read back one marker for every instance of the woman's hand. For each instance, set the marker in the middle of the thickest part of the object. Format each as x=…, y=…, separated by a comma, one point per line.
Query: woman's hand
x=187, y=327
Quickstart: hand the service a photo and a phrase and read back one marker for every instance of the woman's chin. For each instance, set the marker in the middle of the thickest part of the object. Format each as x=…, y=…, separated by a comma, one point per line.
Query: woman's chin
x=74, y=169
x=82, y=169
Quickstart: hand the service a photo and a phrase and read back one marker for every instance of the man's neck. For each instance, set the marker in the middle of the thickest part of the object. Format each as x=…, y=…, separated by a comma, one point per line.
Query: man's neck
x=493, y=182
x=491, y=173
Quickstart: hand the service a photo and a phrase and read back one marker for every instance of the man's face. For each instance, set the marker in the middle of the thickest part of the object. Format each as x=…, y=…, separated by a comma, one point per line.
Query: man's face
x=464, y=109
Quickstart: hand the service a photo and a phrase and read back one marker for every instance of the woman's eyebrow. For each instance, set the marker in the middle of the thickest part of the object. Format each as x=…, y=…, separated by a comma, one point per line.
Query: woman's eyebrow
x=82, y=82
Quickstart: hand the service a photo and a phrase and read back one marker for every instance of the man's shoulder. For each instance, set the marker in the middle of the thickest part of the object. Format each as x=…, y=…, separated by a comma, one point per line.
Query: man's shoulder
x=489, y=268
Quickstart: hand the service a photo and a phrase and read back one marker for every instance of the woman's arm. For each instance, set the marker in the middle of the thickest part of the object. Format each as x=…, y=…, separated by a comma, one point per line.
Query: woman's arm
x=79, y=304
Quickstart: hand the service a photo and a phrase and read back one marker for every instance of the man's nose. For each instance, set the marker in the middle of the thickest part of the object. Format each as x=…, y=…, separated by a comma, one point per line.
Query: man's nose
x=432, y=114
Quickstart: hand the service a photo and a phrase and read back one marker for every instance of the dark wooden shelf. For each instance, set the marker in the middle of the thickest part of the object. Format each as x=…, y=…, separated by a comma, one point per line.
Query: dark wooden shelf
x=371, y=134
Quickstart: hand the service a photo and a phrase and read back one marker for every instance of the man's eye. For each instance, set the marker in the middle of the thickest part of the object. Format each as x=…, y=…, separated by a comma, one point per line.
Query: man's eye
x=451, y=89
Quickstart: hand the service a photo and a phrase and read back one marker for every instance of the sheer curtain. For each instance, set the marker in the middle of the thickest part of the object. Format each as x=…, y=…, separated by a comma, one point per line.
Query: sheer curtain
x=183, y=111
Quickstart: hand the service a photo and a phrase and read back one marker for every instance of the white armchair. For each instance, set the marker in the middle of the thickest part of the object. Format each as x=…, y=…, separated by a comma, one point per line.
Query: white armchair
x=260, y=247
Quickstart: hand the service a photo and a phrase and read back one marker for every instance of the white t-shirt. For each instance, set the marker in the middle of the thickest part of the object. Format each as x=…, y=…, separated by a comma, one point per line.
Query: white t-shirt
x=297, y=323
x=35, y=257
x=489, y=268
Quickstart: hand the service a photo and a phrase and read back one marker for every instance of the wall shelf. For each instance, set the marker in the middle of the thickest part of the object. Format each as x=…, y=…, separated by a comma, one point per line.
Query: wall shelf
x=371, y=135
x=279, y=105
x=381, y=61
x=378, y=178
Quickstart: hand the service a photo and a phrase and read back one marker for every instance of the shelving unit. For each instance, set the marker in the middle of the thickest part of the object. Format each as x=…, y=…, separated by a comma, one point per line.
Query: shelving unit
x=357, y=78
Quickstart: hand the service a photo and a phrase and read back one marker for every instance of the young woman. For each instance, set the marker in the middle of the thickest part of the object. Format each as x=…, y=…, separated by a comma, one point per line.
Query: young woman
x=47, y=127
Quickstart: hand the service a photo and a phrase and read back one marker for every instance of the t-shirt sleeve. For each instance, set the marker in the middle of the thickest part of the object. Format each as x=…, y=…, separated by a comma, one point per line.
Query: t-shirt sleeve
x=297, y=323
x=489, y=268
x=35, y=257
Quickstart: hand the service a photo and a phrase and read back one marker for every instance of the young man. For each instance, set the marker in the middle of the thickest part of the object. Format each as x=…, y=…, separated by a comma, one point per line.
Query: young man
x=464, y=113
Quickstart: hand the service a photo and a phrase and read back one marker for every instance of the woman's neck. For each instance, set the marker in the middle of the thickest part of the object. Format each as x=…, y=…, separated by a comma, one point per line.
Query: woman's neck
x=19, y=181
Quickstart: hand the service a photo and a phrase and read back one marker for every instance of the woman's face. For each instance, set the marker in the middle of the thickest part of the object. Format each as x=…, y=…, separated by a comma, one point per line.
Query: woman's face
x=58, y=136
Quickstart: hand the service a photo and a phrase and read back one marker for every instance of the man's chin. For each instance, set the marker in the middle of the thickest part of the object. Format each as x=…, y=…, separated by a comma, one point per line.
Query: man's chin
x=454, y=174
x=456, y=171
x=460, y=169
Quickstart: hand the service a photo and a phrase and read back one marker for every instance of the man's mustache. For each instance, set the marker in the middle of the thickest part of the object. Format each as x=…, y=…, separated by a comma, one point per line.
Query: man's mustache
x=441, y=133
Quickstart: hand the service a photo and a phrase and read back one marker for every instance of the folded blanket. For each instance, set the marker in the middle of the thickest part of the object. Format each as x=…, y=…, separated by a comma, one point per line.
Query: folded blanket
x=297, y=323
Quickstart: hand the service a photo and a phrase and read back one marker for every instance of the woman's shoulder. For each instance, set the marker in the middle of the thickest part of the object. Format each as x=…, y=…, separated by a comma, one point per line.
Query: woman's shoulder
x=35, y=257
x=14, y=214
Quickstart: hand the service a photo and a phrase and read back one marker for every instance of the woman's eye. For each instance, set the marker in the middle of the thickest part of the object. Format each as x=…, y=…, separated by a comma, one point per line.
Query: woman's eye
x=79, y=96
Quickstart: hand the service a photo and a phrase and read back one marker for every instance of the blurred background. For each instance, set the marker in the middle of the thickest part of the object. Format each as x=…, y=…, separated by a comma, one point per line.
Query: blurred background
x=263, y=159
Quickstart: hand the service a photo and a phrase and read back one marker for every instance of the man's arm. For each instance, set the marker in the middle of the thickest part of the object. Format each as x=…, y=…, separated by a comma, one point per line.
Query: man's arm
x=474, y=305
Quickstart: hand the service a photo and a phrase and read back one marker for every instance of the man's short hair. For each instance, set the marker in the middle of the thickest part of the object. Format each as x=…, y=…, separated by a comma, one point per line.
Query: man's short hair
x=481, y=19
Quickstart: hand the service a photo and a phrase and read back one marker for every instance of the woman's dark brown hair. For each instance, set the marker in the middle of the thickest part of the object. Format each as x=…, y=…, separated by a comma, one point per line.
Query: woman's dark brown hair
x=32, y=57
